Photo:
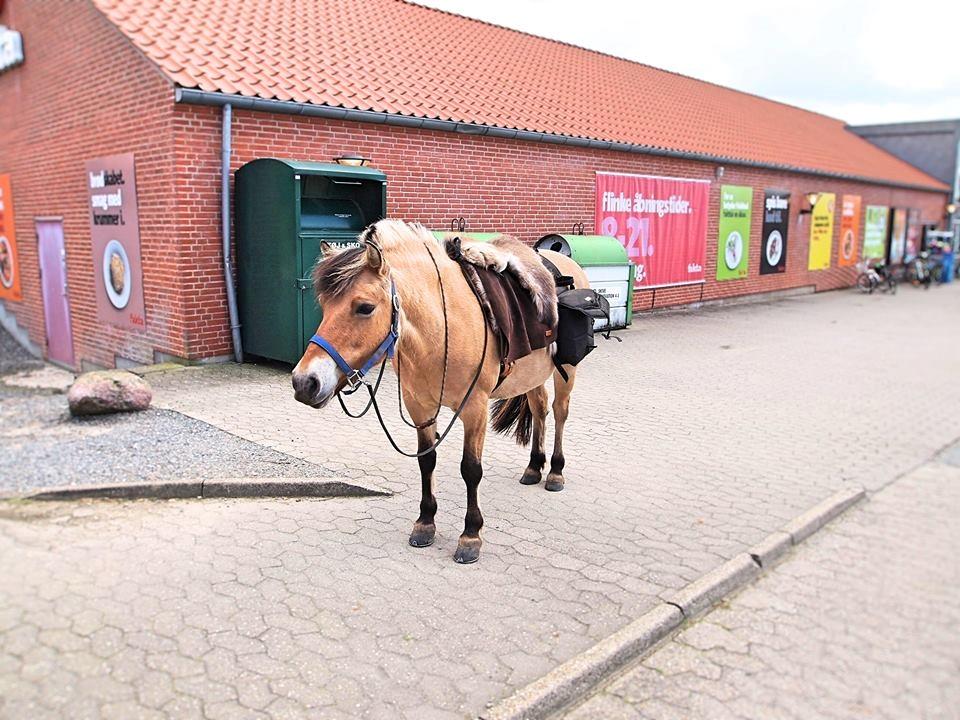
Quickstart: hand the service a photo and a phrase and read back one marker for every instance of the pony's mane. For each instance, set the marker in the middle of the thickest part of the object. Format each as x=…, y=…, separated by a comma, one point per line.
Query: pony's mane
x=334, y=275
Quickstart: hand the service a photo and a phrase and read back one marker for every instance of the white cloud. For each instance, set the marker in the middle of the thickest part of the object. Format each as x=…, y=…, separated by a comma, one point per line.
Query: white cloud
x=864, y=62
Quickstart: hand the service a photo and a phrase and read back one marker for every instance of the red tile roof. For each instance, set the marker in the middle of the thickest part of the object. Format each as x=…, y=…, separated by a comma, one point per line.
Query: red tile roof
x=396, y=57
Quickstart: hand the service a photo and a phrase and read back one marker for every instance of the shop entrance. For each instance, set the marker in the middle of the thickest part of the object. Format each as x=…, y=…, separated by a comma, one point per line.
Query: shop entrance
x=56, y=303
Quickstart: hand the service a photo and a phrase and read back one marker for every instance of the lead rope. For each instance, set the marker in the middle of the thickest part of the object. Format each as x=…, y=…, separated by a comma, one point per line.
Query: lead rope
x=446, y=347
x=440, y=438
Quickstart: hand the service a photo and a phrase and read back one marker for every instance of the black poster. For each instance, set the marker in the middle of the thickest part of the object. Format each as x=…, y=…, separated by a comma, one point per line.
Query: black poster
x=776, y=219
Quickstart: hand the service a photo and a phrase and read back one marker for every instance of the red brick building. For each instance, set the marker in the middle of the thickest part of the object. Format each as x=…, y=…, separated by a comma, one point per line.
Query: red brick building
x=465, y=118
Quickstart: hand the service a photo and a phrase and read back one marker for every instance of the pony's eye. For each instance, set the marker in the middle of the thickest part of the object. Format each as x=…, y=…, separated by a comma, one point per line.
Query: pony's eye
x=365, y=309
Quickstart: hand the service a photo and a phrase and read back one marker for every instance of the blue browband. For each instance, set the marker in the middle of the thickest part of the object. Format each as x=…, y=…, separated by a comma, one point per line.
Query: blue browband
x=387, y=347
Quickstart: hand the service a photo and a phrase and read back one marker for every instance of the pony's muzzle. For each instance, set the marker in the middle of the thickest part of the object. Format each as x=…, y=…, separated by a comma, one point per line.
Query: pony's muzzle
x=317, y=384
x=305, y=388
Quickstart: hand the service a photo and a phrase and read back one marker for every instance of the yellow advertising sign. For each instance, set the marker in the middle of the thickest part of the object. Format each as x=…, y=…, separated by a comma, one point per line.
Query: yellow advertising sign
x=821, y=232
x=9, y=263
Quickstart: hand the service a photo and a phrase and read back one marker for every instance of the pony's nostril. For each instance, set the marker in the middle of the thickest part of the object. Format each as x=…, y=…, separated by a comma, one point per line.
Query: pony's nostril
x=305, y=387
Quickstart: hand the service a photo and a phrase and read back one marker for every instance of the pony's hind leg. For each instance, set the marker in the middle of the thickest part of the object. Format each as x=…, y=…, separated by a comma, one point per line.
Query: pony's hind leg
x=474, y=418
x=537, y=399
x=424, y=529
x=561, y=408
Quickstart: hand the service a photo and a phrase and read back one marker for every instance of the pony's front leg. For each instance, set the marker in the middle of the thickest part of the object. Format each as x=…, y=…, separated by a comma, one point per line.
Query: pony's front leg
x=474, y=418
x=424, y=529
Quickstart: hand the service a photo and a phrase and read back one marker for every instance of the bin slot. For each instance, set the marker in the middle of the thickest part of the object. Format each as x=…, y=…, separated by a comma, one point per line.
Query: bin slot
x=330, y=214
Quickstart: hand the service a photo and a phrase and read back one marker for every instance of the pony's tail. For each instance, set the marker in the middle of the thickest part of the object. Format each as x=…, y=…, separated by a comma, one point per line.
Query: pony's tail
x=513, y=413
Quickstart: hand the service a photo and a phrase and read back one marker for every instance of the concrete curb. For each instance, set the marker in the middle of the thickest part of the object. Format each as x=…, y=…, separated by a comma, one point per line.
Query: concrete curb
x=704, y=592
x=228, y=488
x=805, y=525
x=584, y=671
x=773, y=547
x=281, y=487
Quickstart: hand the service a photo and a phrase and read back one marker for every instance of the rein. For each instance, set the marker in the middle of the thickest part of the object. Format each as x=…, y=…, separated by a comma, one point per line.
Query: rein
x=386, y=350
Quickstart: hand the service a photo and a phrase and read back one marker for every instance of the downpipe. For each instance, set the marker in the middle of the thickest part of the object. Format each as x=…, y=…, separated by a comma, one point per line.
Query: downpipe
x=225, y=152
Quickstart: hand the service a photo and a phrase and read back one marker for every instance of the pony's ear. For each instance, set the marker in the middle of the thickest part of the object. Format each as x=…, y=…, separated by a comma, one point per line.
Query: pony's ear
x=329, y=249
x=375, y=259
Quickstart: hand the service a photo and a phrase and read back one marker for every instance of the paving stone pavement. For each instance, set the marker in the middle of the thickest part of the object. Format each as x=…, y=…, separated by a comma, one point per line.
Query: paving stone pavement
x=687, y=443
x=862, y=621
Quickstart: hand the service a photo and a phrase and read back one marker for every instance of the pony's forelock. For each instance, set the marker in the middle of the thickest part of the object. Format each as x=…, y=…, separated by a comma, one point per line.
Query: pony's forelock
x=333, y=275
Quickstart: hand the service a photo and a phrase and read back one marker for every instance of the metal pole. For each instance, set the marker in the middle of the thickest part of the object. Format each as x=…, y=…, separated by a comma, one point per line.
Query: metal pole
x=225, y=151
x=953, y=221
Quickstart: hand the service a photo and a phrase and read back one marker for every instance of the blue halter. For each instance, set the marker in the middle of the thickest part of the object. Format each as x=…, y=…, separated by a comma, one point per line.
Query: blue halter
x=385, y=348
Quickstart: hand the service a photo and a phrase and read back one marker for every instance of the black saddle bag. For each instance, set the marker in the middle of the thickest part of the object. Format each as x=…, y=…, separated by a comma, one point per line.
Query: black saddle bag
x=576, y=310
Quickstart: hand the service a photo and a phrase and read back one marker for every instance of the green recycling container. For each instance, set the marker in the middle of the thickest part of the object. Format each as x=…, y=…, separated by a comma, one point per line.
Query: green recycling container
x=283, y=210
x=609, y=270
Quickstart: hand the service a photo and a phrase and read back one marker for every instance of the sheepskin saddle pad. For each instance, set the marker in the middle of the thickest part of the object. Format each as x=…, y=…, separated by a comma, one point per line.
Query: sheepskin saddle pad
x=517, y=293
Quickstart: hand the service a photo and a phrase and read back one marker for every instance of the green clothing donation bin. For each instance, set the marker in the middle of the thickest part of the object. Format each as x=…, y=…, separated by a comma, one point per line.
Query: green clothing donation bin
x=605, y=262
x=284, y=210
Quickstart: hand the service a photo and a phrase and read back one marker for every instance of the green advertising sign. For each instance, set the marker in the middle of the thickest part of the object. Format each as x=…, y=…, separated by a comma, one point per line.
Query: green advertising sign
x=875, y=232
x=736, y=205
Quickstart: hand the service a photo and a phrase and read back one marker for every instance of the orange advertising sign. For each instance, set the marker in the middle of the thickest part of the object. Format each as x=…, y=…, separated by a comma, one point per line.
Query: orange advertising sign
x=9, y=261
x=849, y=230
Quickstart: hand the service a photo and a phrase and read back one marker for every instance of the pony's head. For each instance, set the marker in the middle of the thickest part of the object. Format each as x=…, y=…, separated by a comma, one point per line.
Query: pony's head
x=353, y=288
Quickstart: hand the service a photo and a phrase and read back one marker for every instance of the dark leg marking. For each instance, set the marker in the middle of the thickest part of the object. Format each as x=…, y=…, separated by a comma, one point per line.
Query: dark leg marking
x=555, y=478
x=468, y=549
x=537, y=399
x=561, y=407
x=531, y=476
x=424, y=529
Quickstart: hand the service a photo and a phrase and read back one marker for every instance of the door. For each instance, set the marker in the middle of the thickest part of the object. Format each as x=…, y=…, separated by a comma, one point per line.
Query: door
x=56, y=304
x=310, y=315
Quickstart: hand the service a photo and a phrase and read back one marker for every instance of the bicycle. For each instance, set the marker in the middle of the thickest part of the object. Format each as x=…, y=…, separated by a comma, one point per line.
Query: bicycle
x=873, y=276
x=919, y=270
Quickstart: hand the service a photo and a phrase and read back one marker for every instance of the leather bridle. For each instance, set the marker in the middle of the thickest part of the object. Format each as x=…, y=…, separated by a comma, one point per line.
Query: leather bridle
x=384, y=350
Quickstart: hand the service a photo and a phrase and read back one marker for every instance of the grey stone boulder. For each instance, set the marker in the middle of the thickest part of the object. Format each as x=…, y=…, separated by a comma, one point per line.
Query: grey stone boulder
x=108, y=391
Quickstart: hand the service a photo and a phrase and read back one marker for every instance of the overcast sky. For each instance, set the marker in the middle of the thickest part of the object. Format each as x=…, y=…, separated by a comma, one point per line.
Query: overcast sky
x=863, y=62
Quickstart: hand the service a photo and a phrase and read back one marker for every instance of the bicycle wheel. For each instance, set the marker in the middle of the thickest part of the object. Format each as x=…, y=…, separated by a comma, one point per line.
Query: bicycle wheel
x=864, y=284
x=892, y=286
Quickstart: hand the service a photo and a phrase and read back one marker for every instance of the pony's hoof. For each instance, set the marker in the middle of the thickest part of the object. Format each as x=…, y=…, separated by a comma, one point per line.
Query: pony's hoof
x=468, y=551
x=553, y=484
x=529, y=477
x=423, y=535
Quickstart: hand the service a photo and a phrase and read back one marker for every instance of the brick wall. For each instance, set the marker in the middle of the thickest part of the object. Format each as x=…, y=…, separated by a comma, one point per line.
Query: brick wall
x=83, y=92
x=523, y=188
x=87, y=93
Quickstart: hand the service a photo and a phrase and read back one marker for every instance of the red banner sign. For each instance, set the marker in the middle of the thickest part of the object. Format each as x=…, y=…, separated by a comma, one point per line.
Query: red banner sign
x=662, y=223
